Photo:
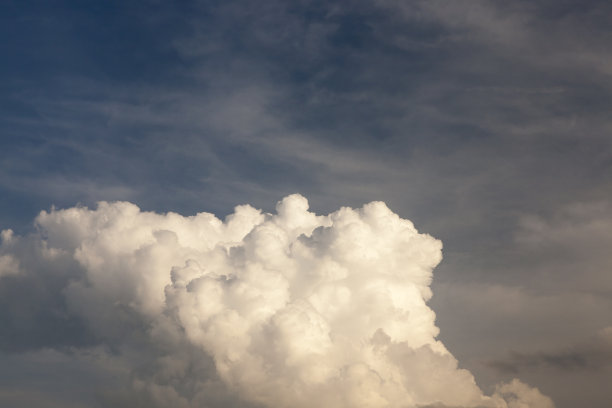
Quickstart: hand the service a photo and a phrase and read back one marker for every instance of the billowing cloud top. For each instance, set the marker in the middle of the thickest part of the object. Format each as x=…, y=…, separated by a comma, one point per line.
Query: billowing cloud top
x=292, y=309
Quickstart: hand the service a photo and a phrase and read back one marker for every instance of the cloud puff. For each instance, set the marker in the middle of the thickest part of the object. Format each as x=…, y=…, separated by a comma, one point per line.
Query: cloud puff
x=286, y=309
x=8, y=264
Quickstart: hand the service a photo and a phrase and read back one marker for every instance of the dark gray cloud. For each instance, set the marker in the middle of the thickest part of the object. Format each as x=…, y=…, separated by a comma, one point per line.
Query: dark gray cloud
x=33, y=311
x=592, y=355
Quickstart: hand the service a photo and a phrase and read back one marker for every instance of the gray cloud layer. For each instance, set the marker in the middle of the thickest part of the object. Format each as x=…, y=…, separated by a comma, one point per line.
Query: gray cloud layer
x=596, y=354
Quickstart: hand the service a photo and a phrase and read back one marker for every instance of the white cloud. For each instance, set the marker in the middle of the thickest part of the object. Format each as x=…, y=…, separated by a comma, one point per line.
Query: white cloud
x=291, y=309
x=8, y=265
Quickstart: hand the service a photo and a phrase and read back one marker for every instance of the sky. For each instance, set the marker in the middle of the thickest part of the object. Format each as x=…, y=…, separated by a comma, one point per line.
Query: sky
x=485, y=123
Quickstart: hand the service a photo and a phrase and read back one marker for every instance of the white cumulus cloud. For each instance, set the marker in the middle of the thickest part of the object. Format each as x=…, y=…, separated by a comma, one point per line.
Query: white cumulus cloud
x=290, y=309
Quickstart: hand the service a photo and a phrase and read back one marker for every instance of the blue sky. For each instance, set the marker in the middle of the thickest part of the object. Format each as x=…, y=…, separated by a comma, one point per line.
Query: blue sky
x=485, y=123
